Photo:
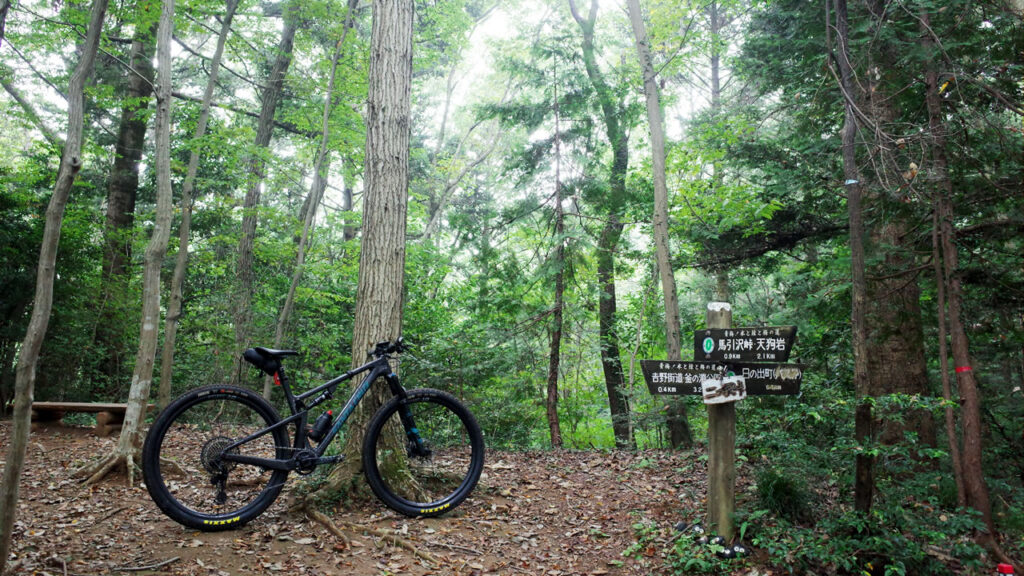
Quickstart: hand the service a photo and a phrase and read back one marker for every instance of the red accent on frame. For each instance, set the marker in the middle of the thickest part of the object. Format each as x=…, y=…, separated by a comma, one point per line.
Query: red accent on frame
x=960, y=369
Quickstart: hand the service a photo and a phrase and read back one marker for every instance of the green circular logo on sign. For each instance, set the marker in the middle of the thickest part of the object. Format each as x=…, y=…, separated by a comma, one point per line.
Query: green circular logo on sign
x=709, y=345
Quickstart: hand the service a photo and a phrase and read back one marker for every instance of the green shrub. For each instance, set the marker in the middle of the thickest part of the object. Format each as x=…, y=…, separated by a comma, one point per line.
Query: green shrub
x=784, y=496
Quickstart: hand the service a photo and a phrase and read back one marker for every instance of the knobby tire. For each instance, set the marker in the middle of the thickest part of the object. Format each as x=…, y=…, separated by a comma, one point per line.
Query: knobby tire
x=409, y=481
x=180, y=458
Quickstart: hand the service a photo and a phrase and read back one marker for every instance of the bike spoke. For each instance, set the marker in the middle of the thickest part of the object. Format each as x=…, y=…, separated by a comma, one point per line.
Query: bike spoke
x=191, y=464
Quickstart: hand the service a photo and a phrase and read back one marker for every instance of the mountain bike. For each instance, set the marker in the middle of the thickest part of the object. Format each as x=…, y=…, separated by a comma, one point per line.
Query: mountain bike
x=218, y=456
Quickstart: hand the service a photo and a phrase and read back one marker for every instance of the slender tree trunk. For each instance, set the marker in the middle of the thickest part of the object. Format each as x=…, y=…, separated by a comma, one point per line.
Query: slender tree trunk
x=722, y=291
x=181, y=262
x=29, y=110
x=122, y=189
x=947, y=390
x=555, y=353
x=864, y=476
x=70, y=164
x=378, y=313
x=608, y=242
x=5, y=5
x=255, y=169
x=347, y=200
x=610, y=354
x=316, y=190
x=970, y=402
x=680, y=434
x=156, y=249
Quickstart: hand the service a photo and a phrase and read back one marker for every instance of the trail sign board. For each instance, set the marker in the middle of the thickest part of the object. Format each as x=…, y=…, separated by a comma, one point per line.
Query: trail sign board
x=679, y=378
x=765, y=344
x=688, y=378
x=764, y=379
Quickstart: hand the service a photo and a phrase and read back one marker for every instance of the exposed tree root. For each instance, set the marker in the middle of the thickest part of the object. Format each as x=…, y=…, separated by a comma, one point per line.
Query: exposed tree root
x=172, y=466
x=330, y=525
x=389, y=536
x=98, y=469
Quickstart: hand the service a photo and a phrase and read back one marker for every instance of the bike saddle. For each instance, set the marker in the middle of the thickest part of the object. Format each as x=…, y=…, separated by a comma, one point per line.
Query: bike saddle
x=266, y=359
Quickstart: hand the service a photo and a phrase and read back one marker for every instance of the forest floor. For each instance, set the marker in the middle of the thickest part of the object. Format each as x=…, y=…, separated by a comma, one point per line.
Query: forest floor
x=545, y=513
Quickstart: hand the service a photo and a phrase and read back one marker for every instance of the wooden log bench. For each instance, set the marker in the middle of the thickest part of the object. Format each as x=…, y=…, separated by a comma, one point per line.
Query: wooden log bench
x=109, y=417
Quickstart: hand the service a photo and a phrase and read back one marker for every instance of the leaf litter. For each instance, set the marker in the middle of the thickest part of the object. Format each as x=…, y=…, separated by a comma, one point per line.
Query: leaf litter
x=557, y=513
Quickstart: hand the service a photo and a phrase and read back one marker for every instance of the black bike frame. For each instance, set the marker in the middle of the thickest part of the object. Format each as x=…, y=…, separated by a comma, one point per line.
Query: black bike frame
x=378, y=368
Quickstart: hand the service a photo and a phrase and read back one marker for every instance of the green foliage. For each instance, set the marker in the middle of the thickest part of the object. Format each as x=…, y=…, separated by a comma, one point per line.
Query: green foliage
x=784, y=495
x=892, y=540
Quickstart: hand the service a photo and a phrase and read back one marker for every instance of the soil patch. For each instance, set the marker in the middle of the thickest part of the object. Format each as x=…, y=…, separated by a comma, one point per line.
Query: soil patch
x=552, y=513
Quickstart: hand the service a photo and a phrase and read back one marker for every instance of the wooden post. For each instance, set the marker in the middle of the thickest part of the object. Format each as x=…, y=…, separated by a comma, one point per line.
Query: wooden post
x=721, y=446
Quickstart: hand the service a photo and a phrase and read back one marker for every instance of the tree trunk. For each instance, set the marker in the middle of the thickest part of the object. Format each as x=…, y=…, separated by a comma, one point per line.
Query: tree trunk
x=347, y=201
x=5, y=6
x=970, y=402
x=555, y=351
x=255, y=169
x=953, y=439
x=70, y=164
x=864, y=475
x=138, y=397
x=610, y=356
x=122, y=189
x=608, y=242
x=29, y=110
x=678, y=423
x=892, y=316
x=895, y=343
x=181, y=262
x=378, y=313
x=721, y=446
x=321, y=167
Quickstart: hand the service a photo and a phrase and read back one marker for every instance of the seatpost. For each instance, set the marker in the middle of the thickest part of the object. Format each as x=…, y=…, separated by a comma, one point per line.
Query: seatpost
x=282, y=379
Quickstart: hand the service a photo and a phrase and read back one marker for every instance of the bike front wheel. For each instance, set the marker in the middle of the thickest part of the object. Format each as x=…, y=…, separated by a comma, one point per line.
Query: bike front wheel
x=423, y=454
x=182, y=458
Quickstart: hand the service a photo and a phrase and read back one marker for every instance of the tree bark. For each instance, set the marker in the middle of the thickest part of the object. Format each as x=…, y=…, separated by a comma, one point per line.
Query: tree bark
x=5, y=6
x=122, y=190
x=608, y=241
x=680, y=434
x=555, y=350
x=892, y=316
x=895, y=343
x=975, y=488
x=181, y=262
x=70, y=164
x=721, y=446
x=255, y=169
x=145, y=358
x=864, y=475
x=953, y=439
x=378, y=313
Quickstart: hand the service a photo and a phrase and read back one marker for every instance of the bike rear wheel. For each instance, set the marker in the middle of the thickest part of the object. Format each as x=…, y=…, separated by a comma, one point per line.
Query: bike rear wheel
x=182, y=464
x=423, y=454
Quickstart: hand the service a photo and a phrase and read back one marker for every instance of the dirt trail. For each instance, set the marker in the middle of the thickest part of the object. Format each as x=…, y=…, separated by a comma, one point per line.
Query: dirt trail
x=552, y=513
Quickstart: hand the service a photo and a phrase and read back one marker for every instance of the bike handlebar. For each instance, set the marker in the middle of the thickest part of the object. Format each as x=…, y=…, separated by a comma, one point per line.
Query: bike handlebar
x=387, y=347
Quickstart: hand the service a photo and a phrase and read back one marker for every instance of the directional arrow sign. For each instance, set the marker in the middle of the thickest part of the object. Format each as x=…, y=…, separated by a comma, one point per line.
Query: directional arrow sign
x=766, y=344
x=666, y=377
x=769, y=379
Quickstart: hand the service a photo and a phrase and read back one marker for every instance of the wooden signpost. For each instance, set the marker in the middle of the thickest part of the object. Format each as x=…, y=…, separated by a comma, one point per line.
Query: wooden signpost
x=730, y=364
